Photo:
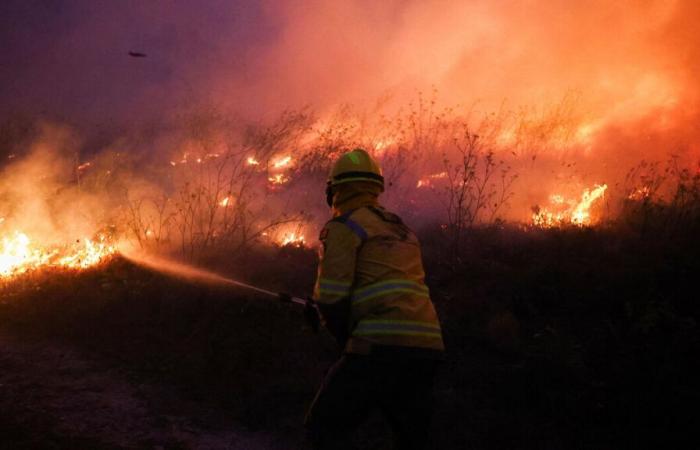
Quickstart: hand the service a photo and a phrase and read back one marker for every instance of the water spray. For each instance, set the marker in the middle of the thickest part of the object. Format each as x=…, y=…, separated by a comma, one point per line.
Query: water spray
x=194, y=273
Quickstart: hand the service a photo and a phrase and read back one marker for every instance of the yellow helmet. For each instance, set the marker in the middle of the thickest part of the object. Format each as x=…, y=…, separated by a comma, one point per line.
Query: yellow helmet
x=357, y=165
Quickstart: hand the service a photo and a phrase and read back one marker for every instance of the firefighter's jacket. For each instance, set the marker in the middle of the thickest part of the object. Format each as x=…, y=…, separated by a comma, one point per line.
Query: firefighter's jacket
x=370, y=286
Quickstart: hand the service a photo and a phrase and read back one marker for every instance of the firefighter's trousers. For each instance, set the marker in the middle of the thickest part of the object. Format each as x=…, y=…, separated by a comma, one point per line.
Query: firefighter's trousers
x=400, y=387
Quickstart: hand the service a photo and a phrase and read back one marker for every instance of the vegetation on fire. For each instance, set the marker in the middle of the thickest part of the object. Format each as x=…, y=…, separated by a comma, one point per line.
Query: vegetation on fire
x=213, y=182
x=560, y=336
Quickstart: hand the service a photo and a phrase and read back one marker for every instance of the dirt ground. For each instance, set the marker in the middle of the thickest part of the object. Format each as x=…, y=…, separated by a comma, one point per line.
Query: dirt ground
x=52, y=396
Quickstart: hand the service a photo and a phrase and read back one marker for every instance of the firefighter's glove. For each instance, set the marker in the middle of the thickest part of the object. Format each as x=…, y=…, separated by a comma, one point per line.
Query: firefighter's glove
x=312, y=316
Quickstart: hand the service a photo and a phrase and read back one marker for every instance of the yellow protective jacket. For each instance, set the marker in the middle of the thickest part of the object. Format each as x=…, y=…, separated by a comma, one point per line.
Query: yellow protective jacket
x=370, y=286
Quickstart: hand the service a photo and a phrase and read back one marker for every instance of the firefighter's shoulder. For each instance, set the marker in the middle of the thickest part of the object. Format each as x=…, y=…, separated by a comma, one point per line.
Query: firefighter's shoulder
x=375, y=219
x=342, y=227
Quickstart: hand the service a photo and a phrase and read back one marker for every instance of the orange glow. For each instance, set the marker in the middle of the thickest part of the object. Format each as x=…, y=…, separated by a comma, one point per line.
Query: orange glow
x=19, y=255
x=382, y=145
x=278, y=179
x=640, y=193
x=288, y=235
x=294, y=239
x=282, y=162
x=568, y=212
x=427, y=181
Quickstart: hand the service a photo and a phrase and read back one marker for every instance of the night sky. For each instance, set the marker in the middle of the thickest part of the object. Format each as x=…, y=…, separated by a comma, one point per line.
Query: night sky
x=68, y=61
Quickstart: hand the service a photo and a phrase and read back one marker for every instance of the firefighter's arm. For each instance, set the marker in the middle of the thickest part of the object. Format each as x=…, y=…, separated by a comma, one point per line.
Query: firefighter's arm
x=336, y=273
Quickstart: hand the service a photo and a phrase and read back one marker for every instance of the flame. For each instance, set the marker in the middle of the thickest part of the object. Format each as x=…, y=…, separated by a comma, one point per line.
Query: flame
x=199, y=159
x=278, y=179
x=19, y=255
x=382, y=145
x=225, y=202
x=557, y=199
x=571, y=212
x=640, y=193
x=291, y=234
x=282, y=162
x=427, y=180
x=252, y=161
x=582, y=212
x=292, y=238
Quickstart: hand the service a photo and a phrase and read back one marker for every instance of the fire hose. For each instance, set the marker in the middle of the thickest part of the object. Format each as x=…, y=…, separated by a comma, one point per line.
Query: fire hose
x=311, y=312
x=283, y=297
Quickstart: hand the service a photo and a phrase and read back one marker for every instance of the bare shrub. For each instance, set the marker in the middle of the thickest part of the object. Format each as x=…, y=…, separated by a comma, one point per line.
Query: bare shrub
x=472, y=192
x=480, y=180
x=218, y=194
x=661, y=199
x=149, y=220
x=471, y=181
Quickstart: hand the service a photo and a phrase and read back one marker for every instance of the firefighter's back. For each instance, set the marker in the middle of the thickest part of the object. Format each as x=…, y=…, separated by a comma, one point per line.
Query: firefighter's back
x=391, y=303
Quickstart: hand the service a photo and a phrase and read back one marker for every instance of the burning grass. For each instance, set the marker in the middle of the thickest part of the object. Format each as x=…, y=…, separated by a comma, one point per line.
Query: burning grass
x=222, y=184
x=562, y=211
x=19, y=255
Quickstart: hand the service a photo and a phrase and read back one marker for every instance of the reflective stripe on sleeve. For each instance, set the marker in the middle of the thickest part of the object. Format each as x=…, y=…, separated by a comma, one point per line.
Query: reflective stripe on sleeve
x=389, y=287
x=369, y=327
x=333, y=288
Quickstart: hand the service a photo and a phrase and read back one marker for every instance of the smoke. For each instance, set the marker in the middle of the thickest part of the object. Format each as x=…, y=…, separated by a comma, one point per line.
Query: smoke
x=71, y=59
x=614, y=81
x=38, y=193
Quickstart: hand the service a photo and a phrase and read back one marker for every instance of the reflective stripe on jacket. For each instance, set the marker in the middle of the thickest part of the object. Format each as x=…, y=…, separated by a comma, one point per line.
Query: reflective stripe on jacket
x=371, y=275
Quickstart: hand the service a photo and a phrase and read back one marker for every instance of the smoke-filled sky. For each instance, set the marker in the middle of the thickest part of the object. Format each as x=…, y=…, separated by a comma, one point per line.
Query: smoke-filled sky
x=69, y=59
x=628, y=67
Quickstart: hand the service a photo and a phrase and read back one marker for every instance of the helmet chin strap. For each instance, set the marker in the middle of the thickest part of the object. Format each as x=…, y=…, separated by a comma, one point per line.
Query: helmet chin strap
x=329, y=195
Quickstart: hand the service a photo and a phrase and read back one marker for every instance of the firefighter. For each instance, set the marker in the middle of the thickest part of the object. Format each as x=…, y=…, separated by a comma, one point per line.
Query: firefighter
x=372, y=297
